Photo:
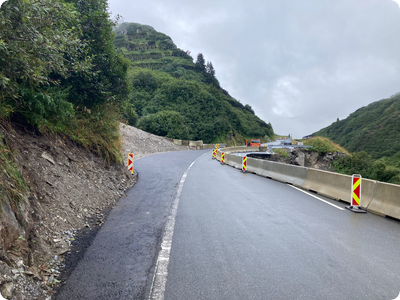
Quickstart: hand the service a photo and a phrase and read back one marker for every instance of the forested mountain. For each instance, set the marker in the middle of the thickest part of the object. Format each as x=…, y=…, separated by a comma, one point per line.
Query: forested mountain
x=374, y=129
x=175, y=97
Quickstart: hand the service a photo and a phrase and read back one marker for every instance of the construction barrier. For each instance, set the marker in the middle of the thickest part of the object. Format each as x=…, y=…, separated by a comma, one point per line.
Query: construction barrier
x=244, y=163
x=223, y=157
x=377, y=197
x=233, y=160
x=356, y=191
x=130, y=162
x=295, y=175
x=177, y=142
x=386, y=200
x=336, y=186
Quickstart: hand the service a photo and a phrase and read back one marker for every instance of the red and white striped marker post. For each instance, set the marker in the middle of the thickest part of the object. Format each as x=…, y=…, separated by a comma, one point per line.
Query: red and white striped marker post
x=130, y=162
x=355, y=203
x=244, y=164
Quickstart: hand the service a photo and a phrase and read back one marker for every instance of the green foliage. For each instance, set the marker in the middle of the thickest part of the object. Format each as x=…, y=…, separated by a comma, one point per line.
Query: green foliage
x=12, y=183
x=282, y=152
x=60, y=72
x=48, y=108
x=108, y=80
x=363, y=164
x=97, y=129
x=324, y=145
x=374, y=129
x=165, y=123
x=206, y=113
x=39, y=45
x=200, y=64
x=165, y=79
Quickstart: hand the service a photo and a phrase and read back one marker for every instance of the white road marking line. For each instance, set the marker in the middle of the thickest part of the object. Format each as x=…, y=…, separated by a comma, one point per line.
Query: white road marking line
x=161, y=272
x=338, y=207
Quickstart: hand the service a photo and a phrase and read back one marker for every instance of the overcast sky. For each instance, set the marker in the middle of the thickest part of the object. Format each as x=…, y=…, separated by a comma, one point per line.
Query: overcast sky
x=299, y=64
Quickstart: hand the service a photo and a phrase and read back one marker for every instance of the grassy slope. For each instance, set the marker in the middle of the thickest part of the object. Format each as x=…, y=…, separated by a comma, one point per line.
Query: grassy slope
x=374, y=129
x=208, y=111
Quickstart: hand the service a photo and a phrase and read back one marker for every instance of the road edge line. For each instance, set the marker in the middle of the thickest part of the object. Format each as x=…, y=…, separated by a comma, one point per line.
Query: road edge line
x=159, y=281
x=327, y=202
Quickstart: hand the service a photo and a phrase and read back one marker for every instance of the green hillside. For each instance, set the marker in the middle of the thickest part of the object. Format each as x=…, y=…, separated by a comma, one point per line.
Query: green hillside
x=374, y=129
x=175, y=97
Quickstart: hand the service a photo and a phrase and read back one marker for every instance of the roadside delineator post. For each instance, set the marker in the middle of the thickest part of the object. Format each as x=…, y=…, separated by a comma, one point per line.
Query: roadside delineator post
x=130, y=162
x=222, y=158
x=214, y=152
x=244, y=164
x=355, y=203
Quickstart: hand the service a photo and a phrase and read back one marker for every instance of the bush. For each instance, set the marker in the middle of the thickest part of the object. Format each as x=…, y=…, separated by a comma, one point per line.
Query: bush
x=324, y=145
x=165, y=123
x=12, y=183
x=363, y=164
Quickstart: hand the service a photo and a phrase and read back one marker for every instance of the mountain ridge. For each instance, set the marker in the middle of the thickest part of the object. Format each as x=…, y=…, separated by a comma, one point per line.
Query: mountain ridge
x=175, y=97
x=374, y=128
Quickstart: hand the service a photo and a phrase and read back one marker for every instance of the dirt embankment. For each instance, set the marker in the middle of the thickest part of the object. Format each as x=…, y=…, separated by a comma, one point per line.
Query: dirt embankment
x=71, y=191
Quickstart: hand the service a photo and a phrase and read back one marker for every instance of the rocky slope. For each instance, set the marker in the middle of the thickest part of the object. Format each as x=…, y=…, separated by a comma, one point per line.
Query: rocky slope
x=306, y=158
x=71, y=191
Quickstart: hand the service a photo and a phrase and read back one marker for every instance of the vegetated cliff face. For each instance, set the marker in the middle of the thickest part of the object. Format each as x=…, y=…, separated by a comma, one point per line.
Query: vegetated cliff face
x=175, y=97
x=70, y=189
x=374, y=128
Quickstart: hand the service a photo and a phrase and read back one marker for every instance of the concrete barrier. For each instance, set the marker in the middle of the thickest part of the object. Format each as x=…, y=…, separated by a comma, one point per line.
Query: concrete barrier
x=233, y=160
x=192, y=144
x=295, y=175
x=338, y=186
x=377, y=197
x=386, y=200
x=177, y=142
x=241, y=149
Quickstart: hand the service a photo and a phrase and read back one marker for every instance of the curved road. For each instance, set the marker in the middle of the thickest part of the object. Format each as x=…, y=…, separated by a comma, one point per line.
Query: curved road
x=119, y=263
x=236, y=236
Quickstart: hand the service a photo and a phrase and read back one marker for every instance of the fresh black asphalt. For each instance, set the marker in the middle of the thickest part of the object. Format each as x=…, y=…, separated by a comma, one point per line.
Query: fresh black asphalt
x=241, y=236
x=119, y=263
x=237, y=236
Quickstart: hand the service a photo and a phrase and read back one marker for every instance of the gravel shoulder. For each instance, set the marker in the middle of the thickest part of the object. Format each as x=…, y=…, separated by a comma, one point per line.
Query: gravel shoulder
x=143, y=144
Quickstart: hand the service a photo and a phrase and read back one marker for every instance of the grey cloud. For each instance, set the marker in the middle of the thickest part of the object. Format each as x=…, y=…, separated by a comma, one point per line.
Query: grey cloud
x=299, y=64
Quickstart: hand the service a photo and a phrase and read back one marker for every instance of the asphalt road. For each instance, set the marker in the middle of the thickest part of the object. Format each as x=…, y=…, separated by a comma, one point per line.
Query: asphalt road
x=236, y=236
x=119, y=263
x=241, y=236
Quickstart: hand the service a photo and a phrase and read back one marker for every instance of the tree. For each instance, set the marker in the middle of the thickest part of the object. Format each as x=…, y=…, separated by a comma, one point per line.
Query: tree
x=108, y=81
x=210, y=75
x=39, y=45
x=200, y=64
x=165, y=123
x=210, y=69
